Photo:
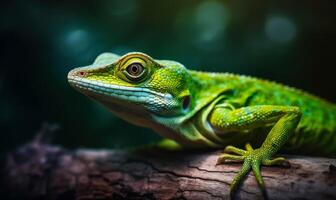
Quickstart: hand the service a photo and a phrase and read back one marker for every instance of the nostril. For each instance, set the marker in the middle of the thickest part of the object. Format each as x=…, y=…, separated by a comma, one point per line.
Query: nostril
x=82, y=73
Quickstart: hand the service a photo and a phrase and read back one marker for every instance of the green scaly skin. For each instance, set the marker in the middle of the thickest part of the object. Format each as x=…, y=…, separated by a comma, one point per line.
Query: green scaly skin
x=211, y=110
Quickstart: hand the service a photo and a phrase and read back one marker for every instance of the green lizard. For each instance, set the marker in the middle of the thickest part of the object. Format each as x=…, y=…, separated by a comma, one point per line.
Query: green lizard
x=211, y=110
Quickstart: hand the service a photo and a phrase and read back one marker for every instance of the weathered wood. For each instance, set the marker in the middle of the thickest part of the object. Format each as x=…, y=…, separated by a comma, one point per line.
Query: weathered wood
x=38, y=171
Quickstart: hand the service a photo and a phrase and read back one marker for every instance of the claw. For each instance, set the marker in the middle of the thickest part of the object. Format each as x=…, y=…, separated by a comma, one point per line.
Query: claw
x=248, y=147
x=239, y=177
x=253, y=158
x=275, y=161
x=224, y=157
x=257, y=174
x=260, y=180
x=232, y=149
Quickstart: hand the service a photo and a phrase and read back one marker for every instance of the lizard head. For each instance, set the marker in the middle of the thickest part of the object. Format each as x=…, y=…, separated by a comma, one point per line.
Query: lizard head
x=135, y=85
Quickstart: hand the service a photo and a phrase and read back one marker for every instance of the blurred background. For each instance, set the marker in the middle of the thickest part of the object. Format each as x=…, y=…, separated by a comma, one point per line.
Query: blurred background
x=292, y=42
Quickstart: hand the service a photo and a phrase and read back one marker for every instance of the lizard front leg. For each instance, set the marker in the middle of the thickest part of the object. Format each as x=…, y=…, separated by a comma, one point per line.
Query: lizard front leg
x=284, y=119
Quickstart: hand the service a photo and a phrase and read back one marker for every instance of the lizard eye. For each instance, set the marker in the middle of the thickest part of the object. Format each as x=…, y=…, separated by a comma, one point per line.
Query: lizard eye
x=134, y=71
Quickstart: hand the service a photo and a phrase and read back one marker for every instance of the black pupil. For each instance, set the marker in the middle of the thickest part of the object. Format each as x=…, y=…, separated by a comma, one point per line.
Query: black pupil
x=134, y=68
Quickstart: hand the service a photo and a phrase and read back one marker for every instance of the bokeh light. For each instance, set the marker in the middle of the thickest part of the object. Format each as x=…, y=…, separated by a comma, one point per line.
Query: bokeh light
x=280, y=29
x=77, y=41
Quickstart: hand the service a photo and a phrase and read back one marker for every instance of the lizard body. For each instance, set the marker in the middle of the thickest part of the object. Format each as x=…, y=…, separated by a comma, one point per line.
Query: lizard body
x=211, y=110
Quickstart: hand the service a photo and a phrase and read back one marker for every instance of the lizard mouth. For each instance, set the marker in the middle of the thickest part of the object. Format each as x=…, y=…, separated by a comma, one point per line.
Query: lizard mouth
x=131, y=94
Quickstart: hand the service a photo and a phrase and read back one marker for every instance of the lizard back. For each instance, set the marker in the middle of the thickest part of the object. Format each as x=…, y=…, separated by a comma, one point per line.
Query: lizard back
x=316, y=132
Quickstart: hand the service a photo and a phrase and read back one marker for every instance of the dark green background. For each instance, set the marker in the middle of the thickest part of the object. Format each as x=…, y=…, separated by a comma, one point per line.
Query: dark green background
x=292, y=42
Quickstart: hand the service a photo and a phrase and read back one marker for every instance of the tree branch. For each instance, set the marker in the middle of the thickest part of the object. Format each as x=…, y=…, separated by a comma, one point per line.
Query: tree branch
x=38, y=171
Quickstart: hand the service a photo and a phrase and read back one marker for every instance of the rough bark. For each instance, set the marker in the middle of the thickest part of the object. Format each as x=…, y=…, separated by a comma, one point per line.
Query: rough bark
x=38, y=171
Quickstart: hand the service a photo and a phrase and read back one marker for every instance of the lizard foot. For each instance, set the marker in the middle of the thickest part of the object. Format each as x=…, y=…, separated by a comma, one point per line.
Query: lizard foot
x=252, y=158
